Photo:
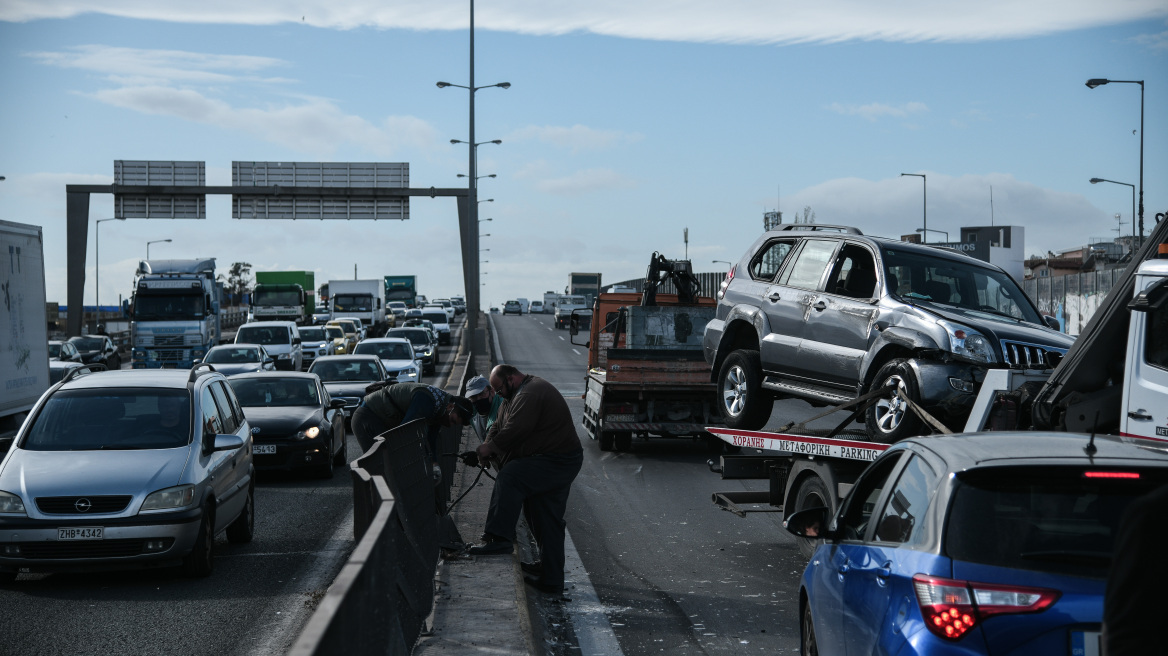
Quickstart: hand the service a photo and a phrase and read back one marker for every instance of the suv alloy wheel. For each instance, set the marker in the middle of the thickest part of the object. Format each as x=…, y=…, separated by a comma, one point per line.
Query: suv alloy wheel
x=745, y=405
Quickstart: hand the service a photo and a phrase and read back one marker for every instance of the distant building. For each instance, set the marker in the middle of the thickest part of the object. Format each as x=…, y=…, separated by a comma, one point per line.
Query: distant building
x=1003, y=246
x=1099, y=255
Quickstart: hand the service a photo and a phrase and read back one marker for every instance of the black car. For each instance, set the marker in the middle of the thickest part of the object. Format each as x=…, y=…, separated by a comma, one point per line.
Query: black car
x=97, y=349
x=295, y=423
x=827, y=314
x=346, y=377
x=424, y=347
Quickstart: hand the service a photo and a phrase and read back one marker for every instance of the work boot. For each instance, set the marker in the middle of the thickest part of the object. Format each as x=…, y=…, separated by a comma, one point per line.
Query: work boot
x=534, y=569
x=492, y=545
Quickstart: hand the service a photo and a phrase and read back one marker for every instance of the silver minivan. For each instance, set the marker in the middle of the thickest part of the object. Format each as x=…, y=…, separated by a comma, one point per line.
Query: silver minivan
x=125, y=469
x=281, y=339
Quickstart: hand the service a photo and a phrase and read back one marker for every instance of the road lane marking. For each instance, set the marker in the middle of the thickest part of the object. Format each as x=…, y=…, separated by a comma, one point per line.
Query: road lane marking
x=575, y=351
x=593, y=631
x=562, y=338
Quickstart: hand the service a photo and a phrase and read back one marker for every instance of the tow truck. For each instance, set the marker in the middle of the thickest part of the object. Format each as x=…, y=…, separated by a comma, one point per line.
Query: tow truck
x=1113, y=380
x=646, y=374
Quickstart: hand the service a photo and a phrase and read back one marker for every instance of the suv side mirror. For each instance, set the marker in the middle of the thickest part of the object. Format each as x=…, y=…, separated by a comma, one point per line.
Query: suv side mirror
x=227, y=442
x=1052, y=322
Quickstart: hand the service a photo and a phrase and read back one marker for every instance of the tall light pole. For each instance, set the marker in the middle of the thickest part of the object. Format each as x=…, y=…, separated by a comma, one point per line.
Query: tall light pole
x=472, y=187
x=925, y=183
x=1135, y=242
x=156, y=241
x=97, y=264
x=727, y=263
x=1096, y=82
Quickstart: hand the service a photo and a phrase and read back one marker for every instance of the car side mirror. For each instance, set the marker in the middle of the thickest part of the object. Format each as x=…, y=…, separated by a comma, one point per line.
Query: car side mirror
x=336, y=404
x=1051, y=322
x=198, y=361
x=809, y=523
x=227, y=442
x=269, y=360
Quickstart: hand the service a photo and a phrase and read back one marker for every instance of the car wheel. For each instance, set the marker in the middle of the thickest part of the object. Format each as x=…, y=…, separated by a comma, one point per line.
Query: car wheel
x=200, y=561
x=745, y=404
x=325, y=469
x=243, y=528
x=812, y=493
x=890, y=419
x=807, y=645
x=605, y=440
x=623, y=440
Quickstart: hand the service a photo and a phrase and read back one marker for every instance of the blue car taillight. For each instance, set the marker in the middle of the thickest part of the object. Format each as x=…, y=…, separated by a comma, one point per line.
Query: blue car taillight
x=951, y=607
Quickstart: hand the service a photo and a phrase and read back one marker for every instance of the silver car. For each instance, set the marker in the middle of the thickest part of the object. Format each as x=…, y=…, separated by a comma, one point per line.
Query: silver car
x=231, y=359
x=127, y=469
x=397, y=356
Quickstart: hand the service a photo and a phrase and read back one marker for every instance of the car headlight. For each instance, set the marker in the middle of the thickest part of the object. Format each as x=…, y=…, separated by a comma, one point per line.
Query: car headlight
x=10, y=504
x=965, y=342
x=308, y=434
x=284, y=356
x=172, y=498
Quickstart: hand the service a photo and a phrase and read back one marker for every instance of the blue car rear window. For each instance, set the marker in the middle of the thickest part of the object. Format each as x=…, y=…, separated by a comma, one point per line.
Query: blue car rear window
x=1046, y=519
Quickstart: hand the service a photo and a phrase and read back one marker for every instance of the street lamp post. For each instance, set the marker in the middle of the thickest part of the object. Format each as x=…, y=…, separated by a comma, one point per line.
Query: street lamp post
x=472, y=181
x=1096, y=82
x=97, y=264
x=156, y=241
x=1135, y=243
x=922, y=231
x=925, y=205
x=727, y=263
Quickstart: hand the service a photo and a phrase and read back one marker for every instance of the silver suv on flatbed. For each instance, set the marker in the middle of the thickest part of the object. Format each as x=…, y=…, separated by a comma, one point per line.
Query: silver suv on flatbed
x=825, y=314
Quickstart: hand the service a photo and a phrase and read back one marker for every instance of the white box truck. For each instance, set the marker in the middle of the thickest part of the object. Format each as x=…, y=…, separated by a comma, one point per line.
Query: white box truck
x=363, y=299
x=24, y=338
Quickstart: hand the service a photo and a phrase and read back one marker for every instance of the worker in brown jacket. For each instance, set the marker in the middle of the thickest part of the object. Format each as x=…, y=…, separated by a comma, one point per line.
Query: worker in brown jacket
x=540, y=454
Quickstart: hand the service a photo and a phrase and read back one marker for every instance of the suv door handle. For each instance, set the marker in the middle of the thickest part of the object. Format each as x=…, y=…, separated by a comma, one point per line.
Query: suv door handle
x=773, y=296
x=1140, y=415
x=884, y=572
x=820, y=306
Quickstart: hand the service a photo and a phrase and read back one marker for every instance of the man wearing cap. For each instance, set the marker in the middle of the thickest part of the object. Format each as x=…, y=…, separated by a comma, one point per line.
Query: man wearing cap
x=486, y=405
x=535, y=441
x=390, y=406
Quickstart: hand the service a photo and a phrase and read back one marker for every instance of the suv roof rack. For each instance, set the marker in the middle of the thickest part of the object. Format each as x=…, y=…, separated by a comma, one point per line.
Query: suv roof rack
x=195, y=371
x=818, y=227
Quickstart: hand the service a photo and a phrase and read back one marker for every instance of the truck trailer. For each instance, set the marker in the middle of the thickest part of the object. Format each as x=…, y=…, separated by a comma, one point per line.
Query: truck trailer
x=24, y=350
x=283, y=296
x=402, y=288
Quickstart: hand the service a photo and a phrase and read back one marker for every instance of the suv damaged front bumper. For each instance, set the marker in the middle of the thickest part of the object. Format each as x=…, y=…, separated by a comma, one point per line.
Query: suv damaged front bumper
x=948, y=388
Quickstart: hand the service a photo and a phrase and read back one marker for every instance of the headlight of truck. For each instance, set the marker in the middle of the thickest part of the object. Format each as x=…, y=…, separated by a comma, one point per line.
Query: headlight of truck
x=197, y=353
x=965, y=342
x=172, y=498
x=10, y=504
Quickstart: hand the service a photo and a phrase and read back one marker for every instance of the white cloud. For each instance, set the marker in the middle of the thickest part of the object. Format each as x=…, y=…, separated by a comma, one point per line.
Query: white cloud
x=1153, y=41
x=728, y=21
x=134, y=66
x=873, y=111
x=1054, y=220
x=169, y=83
x=576, y=138
x=585, y=182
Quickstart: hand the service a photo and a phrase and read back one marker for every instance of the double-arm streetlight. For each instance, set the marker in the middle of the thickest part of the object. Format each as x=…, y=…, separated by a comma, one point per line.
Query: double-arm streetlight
x=156, y=241
x=925, y=204
x=1097, y=82
x=97, y=263
x=1135, y=244
x=480, y=177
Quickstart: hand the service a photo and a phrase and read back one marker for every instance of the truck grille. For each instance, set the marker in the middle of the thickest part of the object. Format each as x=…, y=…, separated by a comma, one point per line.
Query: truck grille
x=171, y=355
x=94, y=504
x=168, y=340
x=1020, y=355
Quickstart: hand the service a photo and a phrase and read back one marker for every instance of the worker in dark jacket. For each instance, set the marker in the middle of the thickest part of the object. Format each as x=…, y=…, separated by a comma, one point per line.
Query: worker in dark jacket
x=536, y=444
x=389, y=406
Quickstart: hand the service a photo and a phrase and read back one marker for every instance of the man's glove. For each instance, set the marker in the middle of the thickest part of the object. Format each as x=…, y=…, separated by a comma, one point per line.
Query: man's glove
x=469, y=458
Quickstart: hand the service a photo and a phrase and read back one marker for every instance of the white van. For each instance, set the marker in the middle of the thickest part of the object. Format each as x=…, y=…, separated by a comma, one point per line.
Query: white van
x=281, y=339
x=523, y=306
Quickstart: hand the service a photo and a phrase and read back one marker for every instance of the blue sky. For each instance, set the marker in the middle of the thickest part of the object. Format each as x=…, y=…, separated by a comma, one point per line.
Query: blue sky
x=625, y=124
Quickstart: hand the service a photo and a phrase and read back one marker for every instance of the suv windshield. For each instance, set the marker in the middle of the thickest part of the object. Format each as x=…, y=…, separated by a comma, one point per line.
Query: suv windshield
x=384, y=350
x=112, y=419
x=233, y=355
x=346, y=371
x=265, y=335
x=915, y=276
x=313, y=335
x=416, y=337
x=1048, y=519
x=436, y=317
x=88, y=343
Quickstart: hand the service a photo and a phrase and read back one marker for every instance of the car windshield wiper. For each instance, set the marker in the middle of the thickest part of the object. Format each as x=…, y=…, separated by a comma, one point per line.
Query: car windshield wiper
x=121, y=447
x=997, y=313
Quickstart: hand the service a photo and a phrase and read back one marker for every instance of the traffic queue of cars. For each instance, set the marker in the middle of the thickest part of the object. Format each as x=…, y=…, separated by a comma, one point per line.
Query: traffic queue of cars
x=145, y=468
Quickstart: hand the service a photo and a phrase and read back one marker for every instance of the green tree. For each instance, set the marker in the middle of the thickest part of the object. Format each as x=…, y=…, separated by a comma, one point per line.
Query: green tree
x=237, y=281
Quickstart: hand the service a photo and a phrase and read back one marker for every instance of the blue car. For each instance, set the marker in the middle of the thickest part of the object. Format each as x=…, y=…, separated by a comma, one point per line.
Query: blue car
x=994, y=543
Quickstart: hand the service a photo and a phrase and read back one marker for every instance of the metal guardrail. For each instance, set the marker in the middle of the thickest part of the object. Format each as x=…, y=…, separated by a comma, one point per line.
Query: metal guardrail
x=379, y=602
